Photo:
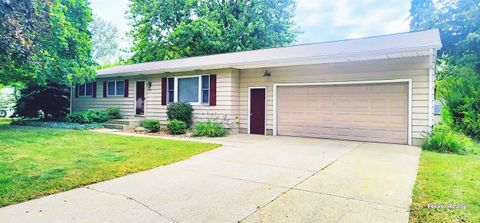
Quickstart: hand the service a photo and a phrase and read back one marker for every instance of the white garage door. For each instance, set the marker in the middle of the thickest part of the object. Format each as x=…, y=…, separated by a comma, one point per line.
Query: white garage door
x=367, y=112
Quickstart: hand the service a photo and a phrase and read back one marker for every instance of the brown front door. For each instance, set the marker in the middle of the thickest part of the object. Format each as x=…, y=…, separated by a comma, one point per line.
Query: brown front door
x=257, y=111
x=140, y=98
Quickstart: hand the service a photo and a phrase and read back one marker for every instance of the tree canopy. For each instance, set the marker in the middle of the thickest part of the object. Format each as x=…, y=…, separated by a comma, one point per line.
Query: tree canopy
x=459, y=25
x=45, y=41
x=457, y=81
x=104, y=41
x=172, y=29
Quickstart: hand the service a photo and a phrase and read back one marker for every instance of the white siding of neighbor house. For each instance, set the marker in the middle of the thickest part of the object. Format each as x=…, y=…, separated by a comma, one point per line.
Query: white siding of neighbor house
x=415, y=68
x=226, y=110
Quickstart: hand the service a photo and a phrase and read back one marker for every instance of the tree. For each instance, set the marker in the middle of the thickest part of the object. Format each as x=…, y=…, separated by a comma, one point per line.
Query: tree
x=457, y=80
x=51, y=99
x=460, y=94
x=45, y=41
x=172, y=29
x=459, y=25
x=104, y=41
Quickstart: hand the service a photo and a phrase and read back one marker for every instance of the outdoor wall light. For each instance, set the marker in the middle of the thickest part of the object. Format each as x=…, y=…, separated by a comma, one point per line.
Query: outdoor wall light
x=267, y=74
x=149, y=84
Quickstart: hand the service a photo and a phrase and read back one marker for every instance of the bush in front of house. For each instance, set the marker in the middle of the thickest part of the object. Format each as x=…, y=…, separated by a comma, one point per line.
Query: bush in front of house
x=89, y=116
x=52, y=99
x=443, y=139
x=176, y=127
x=209, y=128
x=114, y=113
x=460, y=94
x=152, y=125
x=181, y=111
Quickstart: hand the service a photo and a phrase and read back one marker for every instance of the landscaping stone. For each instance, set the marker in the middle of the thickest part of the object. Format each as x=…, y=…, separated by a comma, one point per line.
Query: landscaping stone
x=141, y=130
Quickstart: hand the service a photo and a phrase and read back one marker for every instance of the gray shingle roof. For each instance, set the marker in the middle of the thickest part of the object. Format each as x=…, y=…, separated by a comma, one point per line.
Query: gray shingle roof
x=378, y=47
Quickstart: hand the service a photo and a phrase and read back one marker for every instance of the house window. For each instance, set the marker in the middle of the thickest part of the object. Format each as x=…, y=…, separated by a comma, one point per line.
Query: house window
x=116, y=88
x=89, y=89
x=85, y=89
x=205, y=89
x=191, y=89
x=170, y=88
x=188, y=89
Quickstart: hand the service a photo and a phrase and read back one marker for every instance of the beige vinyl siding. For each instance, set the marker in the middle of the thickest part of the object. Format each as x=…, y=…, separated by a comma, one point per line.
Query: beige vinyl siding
x=415, y=68
x=225, y=111
x=126, y=105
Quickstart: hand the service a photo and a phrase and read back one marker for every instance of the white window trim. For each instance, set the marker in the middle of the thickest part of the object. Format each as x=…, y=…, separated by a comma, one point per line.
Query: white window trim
x=168, y=90
x=410, y=100
x=208, y=89
x=116, y=95
x=175, y=88
x=85, y=87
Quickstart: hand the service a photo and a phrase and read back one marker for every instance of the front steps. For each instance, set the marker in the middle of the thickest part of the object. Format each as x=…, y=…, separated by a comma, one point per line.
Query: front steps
x=123, y=124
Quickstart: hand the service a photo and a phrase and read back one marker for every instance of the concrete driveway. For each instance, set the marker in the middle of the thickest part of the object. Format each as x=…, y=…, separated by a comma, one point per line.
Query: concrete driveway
x=250, y=179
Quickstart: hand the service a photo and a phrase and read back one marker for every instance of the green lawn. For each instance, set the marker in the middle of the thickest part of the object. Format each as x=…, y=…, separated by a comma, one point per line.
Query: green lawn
x=447, y=179
x=39, y=161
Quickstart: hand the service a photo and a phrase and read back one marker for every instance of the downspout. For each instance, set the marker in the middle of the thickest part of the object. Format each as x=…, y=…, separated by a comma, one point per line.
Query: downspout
x=431, y=77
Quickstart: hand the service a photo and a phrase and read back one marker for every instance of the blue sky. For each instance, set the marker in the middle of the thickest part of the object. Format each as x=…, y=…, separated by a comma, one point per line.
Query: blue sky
x=320, y=20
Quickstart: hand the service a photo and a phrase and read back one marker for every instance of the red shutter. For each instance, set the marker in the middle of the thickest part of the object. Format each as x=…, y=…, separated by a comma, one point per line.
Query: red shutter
x=94, y=89
x=213, y=90
x=164, y=91
x=76, y=90
x=126, y=89
x=104, y=89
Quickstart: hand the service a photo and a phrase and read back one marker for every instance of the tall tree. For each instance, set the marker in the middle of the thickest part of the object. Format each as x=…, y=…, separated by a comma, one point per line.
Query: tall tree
x=456, y=81
x=45, y=41
x=104, y=41
x=181, y=28
x=459, y=25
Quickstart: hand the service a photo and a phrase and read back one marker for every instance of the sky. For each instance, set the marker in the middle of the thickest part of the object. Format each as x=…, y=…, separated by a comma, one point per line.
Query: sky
x=319, y=20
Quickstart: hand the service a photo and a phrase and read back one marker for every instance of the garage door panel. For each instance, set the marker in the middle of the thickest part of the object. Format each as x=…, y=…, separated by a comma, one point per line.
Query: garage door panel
x=373, y=112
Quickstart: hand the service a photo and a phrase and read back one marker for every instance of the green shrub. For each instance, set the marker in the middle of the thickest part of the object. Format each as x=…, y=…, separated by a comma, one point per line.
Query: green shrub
x=176, y=127
x=209, y=128
x=444, y=139
x=79, y=117
x=90, y=116
x=180, y=111
x=460, y=95
x=114, y=113
x=152, y=125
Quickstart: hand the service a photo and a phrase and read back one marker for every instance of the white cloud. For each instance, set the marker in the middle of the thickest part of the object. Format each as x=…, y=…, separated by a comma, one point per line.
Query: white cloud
x=323, y=20
x=308, y=4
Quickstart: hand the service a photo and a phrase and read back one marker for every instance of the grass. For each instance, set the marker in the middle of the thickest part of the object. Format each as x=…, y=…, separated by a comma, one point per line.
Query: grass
x=447, y=179
x=35, y=161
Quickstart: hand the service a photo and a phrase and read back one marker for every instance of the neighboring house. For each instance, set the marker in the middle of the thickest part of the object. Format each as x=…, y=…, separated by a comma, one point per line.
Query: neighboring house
x=437, y=112
x=377, y=89
x=7, y=100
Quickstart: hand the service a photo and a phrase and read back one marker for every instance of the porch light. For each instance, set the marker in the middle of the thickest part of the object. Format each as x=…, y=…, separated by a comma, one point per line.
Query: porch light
x=149, y=84
x=267, y=73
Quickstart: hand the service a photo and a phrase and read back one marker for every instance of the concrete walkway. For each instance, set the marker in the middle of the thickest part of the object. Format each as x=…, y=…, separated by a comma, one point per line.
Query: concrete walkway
x=250, y=179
